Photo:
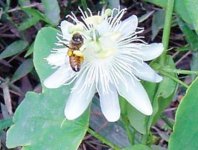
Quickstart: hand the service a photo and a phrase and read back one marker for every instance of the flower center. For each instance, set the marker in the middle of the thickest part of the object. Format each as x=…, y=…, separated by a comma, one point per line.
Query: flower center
x=100, y=46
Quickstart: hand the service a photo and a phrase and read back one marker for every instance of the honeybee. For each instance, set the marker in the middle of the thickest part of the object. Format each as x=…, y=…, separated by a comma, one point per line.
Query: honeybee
x=76, y=58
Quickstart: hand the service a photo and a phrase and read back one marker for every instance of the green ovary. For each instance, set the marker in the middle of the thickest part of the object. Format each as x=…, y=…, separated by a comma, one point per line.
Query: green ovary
x=103, y=47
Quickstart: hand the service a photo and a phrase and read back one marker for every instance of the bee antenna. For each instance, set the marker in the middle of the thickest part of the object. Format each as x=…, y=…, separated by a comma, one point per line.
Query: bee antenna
x=65, y=45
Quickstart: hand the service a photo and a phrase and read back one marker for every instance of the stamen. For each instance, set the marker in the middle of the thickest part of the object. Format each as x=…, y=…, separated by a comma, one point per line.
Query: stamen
x=72, y=18
x=90, y=12
x=83, y=15
x=117, y=18
x=87, y=16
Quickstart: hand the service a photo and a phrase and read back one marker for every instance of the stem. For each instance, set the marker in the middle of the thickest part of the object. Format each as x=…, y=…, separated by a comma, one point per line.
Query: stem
x=178, y=71
x=130, y=134
x=103, y=140
x=166, y=31
x=144, y=139
x=174, y=78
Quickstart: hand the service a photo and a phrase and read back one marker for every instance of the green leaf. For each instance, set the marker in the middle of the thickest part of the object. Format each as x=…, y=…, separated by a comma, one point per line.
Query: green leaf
x=5, y=123
x=194, y=63
x=22, y=70
x=191, y=36
x=137, y=119
x=161, y=3
x=43, y=45
x=185, y=133
x=52, y=10
x=39, y=122
x=157, y=22
x=192, y=9
x=145, y=16
x=165, y=93
x=30, y=50
x=24, y=2
x=138, y=147
x=34, y=17
x=14, y=48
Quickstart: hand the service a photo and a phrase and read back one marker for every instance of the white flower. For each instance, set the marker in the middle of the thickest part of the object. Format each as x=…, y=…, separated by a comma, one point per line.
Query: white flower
x=114, y=58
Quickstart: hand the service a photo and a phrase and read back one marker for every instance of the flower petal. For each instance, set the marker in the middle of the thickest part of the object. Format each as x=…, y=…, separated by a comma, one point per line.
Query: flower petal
x=129, y=25
x=65, y=26
x=109, y=103
x=135, y=94
x=62, y=75
x=150, y=51
x=56, y=59
x=145, y=72
x=79, y=99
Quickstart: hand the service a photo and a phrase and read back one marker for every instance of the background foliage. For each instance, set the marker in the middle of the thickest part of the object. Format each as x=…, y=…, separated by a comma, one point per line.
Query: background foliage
x=24, y=27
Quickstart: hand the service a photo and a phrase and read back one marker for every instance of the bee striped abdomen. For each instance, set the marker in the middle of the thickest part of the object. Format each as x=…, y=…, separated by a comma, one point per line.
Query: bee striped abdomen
x=75, y=60
x=75, y=63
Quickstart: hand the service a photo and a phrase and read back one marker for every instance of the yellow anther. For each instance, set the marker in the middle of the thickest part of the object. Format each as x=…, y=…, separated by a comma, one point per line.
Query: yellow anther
x=108, y=12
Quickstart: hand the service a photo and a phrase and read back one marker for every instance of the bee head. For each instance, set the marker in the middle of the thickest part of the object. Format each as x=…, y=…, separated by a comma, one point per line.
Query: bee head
x=77, y=38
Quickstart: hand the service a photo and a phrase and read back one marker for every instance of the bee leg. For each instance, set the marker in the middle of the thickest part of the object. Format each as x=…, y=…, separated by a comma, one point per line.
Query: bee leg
x=69, y=53
x=65, y=45
x=80, y=55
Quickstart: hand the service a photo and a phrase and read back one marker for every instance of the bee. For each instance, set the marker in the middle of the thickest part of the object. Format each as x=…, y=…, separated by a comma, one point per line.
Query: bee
x=76, y=58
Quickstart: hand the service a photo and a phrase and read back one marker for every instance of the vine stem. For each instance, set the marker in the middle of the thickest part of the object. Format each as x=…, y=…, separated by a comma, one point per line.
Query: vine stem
x=167, y=29
x=145, y=139
x=174, y=78
x=179, y=71
x=103, y=140
x=165, y=41
x=130, y=134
